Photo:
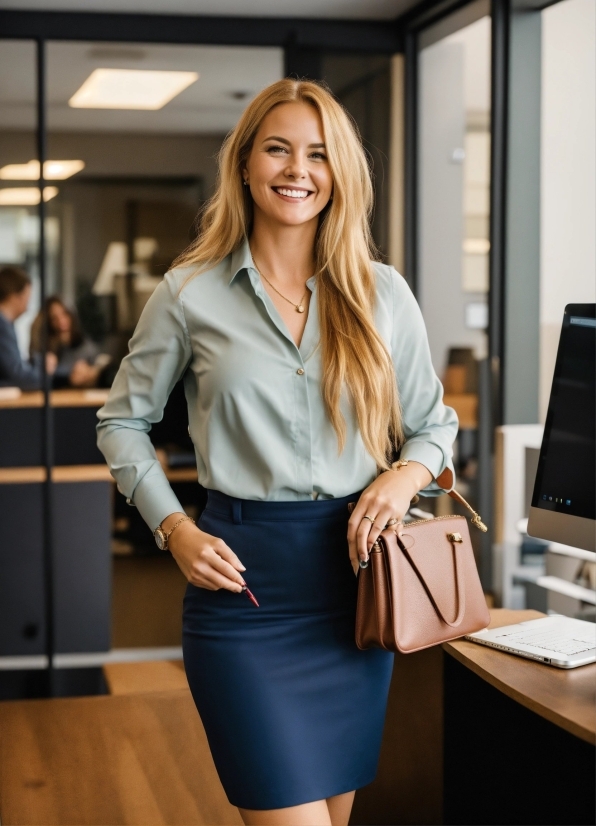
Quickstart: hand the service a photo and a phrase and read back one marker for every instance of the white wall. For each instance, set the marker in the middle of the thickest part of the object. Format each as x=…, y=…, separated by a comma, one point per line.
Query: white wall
x=568, y=185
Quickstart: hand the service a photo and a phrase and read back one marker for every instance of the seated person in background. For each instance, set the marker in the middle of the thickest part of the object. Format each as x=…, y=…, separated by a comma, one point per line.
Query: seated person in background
x=15, y=292
x=79, y=359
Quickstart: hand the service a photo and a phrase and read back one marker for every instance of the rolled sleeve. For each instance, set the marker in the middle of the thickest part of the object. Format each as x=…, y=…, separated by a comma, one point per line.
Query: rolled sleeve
x=159, y=353
x=430, y=427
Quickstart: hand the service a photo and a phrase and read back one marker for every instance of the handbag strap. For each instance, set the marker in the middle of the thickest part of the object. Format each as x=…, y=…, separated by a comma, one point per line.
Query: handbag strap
x=459, y=582
x=447, y=480
x=475, y=519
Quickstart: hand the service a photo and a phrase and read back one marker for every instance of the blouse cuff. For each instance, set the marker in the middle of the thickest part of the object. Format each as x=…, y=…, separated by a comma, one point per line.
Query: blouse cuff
x=155, y=499
x=433, y=459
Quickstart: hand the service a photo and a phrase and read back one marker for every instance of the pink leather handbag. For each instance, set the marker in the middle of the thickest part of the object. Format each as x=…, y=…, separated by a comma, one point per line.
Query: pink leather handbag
x=421, y=586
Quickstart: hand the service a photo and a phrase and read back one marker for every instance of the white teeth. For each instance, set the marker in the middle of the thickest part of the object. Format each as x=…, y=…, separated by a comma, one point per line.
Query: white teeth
x=292, y=193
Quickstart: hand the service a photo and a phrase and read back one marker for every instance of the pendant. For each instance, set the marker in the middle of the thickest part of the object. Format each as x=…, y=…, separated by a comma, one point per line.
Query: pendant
x=299, y=308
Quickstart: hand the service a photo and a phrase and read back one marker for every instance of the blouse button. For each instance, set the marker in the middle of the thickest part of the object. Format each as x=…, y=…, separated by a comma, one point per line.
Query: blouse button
x=300, y=371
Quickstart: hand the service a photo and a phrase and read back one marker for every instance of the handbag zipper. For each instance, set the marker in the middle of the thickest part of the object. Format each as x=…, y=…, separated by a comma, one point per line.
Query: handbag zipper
x=434, y=519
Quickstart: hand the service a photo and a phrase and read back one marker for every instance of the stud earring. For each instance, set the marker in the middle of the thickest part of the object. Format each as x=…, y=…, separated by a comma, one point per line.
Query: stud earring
x=245, y=183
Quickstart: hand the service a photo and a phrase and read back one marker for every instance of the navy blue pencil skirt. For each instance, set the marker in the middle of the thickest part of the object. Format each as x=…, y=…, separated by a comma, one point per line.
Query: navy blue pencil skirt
x=293, y=711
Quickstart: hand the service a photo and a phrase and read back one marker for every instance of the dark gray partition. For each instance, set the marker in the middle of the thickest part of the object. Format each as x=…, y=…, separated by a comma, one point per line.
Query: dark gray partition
x=82, y=568
x=73, y=431
x=21, y=570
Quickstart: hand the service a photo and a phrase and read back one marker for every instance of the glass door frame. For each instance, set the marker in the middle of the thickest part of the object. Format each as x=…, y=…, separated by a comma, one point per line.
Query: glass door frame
x=508, y=385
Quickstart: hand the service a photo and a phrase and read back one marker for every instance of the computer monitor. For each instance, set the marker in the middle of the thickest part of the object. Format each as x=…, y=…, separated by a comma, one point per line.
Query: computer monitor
x=564, y=499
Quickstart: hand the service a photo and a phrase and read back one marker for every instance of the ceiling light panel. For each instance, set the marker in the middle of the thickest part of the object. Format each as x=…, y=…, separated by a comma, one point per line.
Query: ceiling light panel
x=25, y=195
x=130, y=88
x=52, y=170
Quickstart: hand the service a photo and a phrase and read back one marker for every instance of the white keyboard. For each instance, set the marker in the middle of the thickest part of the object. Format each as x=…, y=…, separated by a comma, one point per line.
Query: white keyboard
x=561, y=643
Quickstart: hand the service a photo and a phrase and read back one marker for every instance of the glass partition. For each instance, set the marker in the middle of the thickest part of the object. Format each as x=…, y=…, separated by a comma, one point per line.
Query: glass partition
x=19, y=171
x=453, y=220
x=22, y=603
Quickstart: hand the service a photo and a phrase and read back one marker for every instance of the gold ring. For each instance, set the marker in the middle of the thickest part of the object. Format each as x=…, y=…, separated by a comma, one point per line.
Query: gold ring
x=370, y=519
x=391, y=522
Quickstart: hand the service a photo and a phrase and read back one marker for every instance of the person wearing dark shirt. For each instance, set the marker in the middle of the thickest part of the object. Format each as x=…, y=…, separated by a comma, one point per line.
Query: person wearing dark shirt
x=80, y=362
x=15, y=292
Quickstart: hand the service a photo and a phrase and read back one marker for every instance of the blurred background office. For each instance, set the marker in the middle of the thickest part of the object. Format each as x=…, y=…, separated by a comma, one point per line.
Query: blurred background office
x=479, y=124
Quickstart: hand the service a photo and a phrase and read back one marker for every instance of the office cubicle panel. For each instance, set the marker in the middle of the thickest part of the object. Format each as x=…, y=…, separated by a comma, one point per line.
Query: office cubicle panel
x=21, y=442
x=73, y=433
x=81, y=568
x=21, y=570
x=75, y=438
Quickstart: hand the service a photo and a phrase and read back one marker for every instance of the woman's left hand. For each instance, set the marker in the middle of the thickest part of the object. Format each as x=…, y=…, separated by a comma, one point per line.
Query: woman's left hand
x=387, y=498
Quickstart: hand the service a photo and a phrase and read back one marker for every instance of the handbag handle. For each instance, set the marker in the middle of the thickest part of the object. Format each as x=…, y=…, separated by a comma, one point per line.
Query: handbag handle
x=459, y=579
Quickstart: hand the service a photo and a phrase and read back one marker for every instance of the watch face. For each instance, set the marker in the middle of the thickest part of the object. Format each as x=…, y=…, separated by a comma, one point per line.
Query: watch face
x=160, y=539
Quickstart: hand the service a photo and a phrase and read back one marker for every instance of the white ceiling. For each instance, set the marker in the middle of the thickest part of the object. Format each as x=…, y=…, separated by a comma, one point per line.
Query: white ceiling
x=211, y=105
x=351, y=9
x=208, y=106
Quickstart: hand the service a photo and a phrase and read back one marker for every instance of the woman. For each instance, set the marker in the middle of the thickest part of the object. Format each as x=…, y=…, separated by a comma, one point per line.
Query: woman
x=289, y=340
x=79, y=359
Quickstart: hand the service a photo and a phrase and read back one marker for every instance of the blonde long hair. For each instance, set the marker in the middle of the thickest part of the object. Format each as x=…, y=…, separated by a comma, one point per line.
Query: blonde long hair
x=352, y=351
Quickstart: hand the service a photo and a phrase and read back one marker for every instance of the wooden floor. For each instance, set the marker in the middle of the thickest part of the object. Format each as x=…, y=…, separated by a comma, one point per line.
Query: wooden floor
x=139, y=756
x=138, y=759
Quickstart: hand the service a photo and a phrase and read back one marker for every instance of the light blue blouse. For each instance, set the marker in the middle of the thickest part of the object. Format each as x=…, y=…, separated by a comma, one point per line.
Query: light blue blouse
x=256, y=411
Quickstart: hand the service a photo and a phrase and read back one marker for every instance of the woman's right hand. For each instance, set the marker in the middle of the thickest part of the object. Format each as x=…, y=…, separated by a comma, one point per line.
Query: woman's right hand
x=205, y=560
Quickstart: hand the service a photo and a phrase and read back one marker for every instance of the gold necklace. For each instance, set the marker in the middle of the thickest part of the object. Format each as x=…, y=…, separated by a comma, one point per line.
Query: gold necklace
x=298, y=307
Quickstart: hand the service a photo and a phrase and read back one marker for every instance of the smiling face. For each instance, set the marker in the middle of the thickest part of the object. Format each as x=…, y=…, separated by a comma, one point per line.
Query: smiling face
x=287, y=169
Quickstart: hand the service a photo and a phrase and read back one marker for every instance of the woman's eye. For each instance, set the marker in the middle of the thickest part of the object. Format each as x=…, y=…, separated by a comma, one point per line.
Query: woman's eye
x=319, y=156
x=277, y=149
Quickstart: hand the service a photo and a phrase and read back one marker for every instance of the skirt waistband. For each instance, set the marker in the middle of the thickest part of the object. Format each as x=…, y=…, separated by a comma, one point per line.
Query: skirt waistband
x=250, y=510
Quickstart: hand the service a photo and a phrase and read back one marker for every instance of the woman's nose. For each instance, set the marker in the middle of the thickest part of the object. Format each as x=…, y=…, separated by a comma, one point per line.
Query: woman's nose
x=296, y=167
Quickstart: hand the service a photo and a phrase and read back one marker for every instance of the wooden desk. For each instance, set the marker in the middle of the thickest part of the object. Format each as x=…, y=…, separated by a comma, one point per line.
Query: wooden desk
x=139, y=759
x=565, y=698
x=81, y=473
x=518, y=736
x=60, y=473
x=94, y=397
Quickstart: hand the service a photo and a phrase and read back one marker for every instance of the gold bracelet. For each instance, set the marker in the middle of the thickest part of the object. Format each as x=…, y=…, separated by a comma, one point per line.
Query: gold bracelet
x=162, y=539
x=404, y=463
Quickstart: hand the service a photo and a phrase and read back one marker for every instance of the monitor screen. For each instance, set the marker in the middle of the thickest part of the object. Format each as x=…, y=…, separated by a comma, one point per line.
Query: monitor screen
x=565, y=480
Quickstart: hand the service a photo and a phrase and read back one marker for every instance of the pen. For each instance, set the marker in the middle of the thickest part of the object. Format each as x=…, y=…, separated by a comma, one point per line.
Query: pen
x=246, y=590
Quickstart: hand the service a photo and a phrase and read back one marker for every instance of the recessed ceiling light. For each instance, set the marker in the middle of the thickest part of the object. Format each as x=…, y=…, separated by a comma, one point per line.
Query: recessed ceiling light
x=130, y=89
x=26, y=195
x=52, y=170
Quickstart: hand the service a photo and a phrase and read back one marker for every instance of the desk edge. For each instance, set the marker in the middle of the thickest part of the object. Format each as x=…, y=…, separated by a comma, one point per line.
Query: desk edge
x=547, y=713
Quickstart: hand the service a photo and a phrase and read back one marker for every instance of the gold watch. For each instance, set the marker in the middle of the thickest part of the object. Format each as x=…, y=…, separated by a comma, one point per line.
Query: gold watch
x=162, y=538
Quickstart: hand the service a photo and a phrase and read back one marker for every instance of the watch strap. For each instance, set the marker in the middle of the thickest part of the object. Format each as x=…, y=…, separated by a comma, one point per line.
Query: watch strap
x=167, y=535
